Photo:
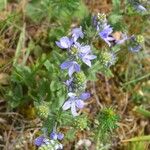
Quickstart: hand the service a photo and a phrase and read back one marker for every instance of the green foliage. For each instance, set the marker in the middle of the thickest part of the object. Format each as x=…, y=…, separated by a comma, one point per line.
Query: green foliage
x=43, y=110
x=106, y=123
x=116, y=16
x=107, y=119
x=36, y=10
x=137, y=146
x=81, y=122
x=71, y=134
x=80, y=81
x=40, y=81
x=49, y=85
x=55, y=9
x=2, y=4
x=99, y=66
x=116, y=5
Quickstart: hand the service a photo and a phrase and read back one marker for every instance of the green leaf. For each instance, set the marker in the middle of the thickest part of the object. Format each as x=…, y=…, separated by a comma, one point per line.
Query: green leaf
x=140, y=138
x=20, y=45
x=115, y=18
x=116, y=5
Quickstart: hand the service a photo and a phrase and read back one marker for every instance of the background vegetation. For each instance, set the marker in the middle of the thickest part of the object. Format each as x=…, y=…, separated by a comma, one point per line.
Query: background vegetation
x=30, y=76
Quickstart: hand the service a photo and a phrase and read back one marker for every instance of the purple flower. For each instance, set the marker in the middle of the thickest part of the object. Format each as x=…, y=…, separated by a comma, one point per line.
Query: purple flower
x=84, y=52
x=85, y=96
x=39, y=140
x=94, y=21
x=64, y=43
x=72, y=67
x=69, y=84
x=87, y=59
x=75, y=103
x=77, y=33
x=85, y=49
x=105, y=34
x=136, y=48
x=55, y=136
x=140, y=8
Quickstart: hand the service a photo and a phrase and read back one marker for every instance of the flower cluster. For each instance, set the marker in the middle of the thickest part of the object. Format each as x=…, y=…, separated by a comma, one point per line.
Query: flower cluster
x=75, y=102
x=108, y=59
x=105, y=31
x=78, y=54
x=50, y=142
x=81, y=56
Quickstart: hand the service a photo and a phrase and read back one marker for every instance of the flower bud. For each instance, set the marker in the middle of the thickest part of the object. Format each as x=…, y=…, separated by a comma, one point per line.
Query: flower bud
x=81, y=123
x=108, y=59
x=42, y=110
x=139, y=39
x=80, y=81
x=101, y=17
x=74, y=51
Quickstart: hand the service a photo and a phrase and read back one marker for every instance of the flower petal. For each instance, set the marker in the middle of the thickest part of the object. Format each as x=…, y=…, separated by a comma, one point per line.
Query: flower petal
x=85, y=49
x=60, y=136
x=109, y=44
x=85, y=96
x=58, y=44
x=76, y=33
x=71, y=70
x=87, y=62
x=90, y=57
x=66, y=64
x=135, y=48
x=65, y=42
x=66, y=105
x=76, y=67
x=39, y=140
x=73, y=109
x=79, y=104
x=110, y=38
x=53, y=136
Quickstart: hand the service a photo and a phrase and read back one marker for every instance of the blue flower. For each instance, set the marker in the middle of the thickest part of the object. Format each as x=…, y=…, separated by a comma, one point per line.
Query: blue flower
x=105, y=34
x=69, y=84
x=94, y=21
x=75, y=102
x=140, y=8
x=85, y=96
x=87, y=59
x=55, y=136
x=64, y=43
x=84, y=52
x=108, y=58
x=72, y=67
x=77, y=33
x=39, y=140
x=136, y=48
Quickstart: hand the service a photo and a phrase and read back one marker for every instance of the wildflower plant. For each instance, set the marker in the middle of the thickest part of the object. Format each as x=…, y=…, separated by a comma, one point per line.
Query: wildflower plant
x=79, y=59
x=56, y=82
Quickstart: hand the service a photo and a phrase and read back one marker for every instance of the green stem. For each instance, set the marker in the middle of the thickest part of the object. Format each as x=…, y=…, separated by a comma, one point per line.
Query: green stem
x=138, y=79
x=140, y=139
